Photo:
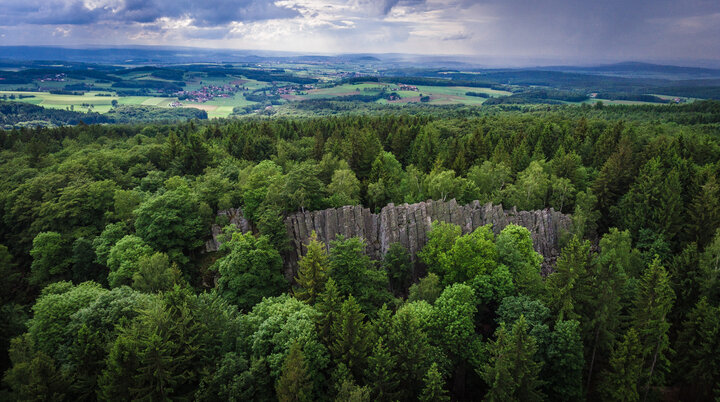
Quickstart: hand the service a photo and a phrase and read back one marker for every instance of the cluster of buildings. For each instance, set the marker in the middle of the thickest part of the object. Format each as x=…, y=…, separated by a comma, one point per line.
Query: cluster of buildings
x=208, y=92
x=291, y=89
x=53, y=77
x=404, y=87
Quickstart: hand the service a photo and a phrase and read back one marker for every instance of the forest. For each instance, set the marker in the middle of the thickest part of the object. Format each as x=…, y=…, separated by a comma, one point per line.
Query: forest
x=109, y=293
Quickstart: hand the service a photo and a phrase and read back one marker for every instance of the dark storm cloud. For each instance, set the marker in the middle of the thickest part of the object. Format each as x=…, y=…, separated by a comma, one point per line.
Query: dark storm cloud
x=79, y=12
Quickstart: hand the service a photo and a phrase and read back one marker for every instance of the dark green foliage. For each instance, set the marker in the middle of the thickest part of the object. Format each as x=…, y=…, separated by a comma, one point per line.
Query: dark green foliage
x=512, y=373
x=620, y=382
x=396, y=263
x=350, y=338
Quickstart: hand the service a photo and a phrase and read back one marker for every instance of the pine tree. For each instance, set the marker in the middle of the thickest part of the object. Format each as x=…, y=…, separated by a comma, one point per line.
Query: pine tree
x=512, y=372
x=434, y=390
x=621, y=380
x=312, y=274
x=350, y=337
x=294, y=384
x=653, y=303
x=381, y=373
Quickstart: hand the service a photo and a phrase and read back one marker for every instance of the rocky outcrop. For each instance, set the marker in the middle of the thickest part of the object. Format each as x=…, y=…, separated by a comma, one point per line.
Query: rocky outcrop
x=407, y=224
x=234, y=216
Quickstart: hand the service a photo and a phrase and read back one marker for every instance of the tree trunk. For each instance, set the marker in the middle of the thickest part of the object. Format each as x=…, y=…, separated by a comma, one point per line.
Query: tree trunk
x=592, y=359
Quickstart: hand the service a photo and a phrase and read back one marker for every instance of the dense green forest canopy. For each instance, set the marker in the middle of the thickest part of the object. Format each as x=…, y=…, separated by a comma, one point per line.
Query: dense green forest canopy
x=107, y=293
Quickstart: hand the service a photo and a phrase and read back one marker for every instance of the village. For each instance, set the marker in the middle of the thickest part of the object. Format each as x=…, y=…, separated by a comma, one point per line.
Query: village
x=207, y=93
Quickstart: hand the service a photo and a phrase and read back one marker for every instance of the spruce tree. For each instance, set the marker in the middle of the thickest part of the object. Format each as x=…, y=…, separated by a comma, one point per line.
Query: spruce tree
x=350, y=337
x=312, y=273
x=512, y=373
x=328, y=305
x=697, y=349
x=621, y=380
x=649, y=314
x=434, y=390
x=381, y=373
x=564, y=284
x=294, y=384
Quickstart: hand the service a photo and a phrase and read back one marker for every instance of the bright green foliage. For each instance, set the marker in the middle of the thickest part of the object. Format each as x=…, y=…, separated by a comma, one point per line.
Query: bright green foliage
x=491, y=289
x=584, y=216
x=697, y=346
x=274, y=325
x=427, y=289
x=562, y=193
x=108, y=238
x=381, y=373
x=303, y=190
x=512, y=373
x=649, y=318
x=440, y=240
x=125, y=202
x=312, y=274
x=294, y=384
x=471, y=255
x=350, y=335
x=356, y=275
x=434, y=390
x=53, y=311
x=490, y=179
x=155, y=274
x=530, y=189
x=255, y=186
x=398, y=266
x=173, y=222
x=454, y=322
x=251, y=270
x=124, y=259
x=564, y=364
x=344, y=189
x=620, y=382
x=515, y=250
x=50, y=259
x=564, y=285
x=443, y=185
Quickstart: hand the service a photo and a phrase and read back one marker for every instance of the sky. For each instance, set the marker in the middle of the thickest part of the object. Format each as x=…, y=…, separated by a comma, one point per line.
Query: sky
x=573, y=31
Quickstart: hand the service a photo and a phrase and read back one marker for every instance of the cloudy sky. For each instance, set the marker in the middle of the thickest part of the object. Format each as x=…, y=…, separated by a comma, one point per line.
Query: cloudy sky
x=579, y=31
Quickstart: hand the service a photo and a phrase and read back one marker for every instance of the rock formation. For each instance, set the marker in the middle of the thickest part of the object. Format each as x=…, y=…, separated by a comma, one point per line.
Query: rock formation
x=408, y=225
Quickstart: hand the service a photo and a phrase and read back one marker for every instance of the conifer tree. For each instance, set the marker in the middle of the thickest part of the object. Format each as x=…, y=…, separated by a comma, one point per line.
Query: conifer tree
x=654, y=301
x=328, y=305
x=434, y=390
x=512, y=373
x=697, y=349
x=294, y=384
x=564, y=284
x=350, y=337
x=621, y=380
x=312, y=274
x=381, y=373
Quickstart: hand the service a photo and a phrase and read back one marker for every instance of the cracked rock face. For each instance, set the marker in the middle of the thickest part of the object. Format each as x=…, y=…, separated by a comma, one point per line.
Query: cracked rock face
x=407, y=224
